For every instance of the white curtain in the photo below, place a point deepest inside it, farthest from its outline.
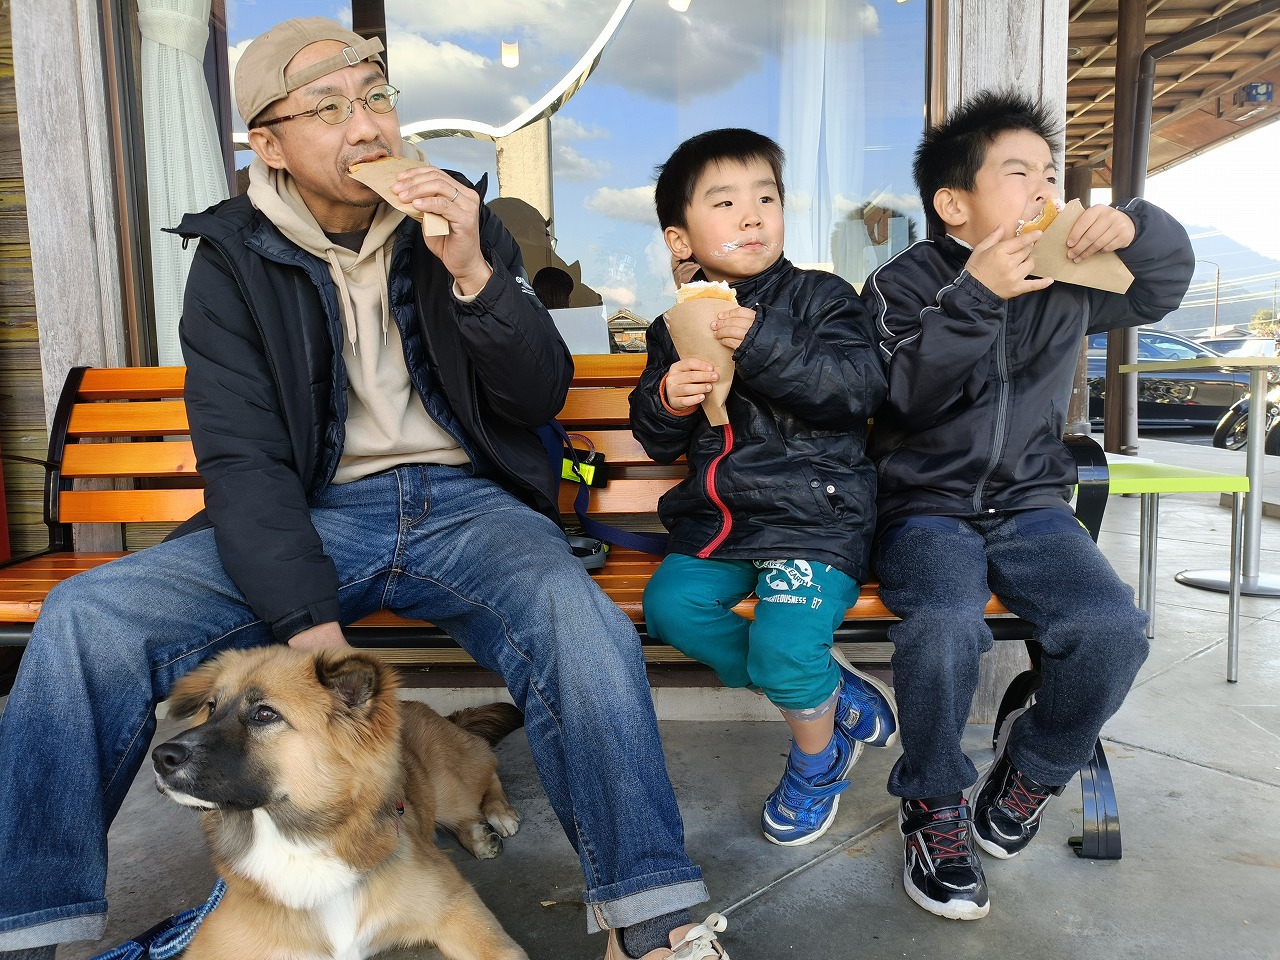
(821, 127)
(184, 158)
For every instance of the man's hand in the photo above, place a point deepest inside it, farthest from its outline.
(688, 383)
(1099, 229)
(731, 326)
(431, 190)
(1004, 266)
(321, 636)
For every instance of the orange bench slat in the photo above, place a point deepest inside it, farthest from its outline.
(147, 418)
(133, 383)
(129, 506)
(151, 458)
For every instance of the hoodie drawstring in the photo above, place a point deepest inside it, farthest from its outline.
(381, 260)
(348, 308)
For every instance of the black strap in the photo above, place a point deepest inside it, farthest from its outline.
(556, 440)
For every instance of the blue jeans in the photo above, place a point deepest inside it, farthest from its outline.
(429, 543)
(937, 574)
(785, 652)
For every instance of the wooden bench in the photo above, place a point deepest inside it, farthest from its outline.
(119, 453)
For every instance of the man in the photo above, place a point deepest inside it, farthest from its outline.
(363, 404)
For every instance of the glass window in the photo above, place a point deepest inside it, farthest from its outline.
(840, 84)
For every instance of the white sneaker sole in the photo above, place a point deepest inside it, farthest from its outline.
(807, 838)
(955, 910)
(883, 689)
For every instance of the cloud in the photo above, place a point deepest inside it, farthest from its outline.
(633, 204)
(674, 57)
(571, 165)
(620, 296)
(903, 202)
(566, 128)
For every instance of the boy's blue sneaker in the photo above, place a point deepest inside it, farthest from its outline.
(801, 808)
(866, 711)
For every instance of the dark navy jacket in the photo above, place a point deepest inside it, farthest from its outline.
(979, 386)
(266, 390)
(788, 476)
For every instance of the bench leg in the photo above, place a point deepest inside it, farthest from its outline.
(1100, 839)
(1020, 692)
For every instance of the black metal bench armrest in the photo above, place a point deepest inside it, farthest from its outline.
(1095, 481)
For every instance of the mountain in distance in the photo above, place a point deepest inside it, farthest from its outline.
(1249, 283)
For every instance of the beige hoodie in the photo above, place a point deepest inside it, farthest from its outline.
(386, 423)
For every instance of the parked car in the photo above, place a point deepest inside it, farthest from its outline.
(1184, 398)
(1240, 346)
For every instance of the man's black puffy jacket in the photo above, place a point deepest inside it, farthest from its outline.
(788, 476)
(266, 389)
(979, 386)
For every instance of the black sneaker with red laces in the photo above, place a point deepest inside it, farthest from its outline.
(1007, 805)
(941, 871)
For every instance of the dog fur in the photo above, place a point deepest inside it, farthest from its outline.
(301, 764)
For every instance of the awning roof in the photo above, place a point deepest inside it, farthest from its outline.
(1193, 106)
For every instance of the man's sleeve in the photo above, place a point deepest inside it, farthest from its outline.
(520, 360)
(254, 495)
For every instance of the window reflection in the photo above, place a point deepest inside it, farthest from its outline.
(840, 84)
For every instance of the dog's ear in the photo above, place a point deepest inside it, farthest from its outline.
(192, 692)
(354, 679)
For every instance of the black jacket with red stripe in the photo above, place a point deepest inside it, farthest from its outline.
(788, 477)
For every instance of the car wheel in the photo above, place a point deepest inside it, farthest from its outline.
(1233, 430)
(1272, 445)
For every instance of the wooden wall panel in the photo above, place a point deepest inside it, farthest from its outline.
(22, 415)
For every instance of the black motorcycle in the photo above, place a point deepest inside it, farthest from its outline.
(1233, 429)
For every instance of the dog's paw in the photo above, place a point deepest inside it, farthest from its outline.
(506, 822)
(481, 840)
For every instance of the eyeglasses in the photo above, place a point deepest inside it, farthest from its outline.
(338, 109)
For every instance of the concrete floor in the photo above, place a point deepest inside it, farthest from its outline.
(1196, 763)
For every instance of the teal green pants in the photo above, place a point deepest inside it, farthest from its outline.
(785, 652)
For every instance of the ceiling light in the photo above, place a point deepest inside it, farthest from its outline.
(679, 6)
(1249, 101)
(511, 53)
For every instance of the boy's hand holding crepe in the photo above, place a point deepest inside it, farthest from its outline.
(1077, 246)
(704, 340)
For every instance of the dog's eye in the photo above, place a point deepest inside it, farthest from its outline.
(264, 715)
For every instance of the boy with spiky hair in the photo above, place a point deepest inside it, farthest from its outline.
(974, 483)
(780, 501)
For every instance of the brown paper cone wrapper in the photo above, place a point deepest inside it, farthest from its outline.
(690, 326)
(379, 175)
(1102, 271)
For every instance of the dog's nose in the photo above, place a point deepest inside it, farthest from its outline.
(169, 756)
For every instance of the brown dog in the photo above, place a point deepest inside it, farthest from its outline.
(321, 793)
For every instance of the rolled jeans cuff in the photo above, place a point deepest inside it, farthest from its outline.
(645, 905)
(65, 930)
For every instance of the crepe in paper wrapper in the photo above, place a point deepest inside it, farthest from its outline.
(690, 326)
(379, 175)
(1102, 271)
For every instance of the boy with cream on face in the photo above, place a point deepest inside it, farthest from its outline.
(780, 500)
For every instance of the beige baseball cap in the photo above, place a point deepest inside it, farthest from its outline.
(260, 74)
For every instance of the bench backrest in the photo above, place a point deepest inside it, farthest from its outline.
(127, 429)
